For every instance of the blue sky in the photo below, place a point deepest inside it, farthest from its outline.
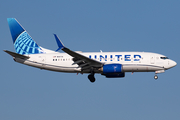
(28, 93)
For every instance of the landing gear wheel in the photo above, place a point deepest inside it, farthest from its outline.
(155, 77)
(91, 78)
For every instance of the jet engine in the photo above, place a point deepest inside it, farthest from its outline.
(112, 70)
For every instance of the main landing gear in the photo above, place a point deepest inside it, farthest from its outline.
(155, 77)
(91, 76)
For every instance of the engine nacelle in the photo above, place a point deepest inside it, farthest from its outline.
(112, 70)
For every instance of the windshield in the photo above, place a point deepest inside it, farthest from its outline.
(164, 58)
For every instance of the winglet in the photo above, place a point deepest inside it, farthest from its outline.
(59, 43)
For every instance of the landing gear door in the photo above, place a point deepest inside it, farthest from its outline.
(152, 59)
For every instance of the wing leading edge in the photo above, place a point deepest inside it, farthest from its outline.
(83, 61)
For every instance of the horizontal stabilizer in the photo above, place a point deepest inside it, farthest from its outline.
(16, 55)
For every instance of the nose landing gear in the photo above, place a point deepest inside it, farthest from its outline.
(155, 77)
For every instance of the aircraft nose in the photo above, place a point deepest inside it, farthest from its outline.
(173, 63)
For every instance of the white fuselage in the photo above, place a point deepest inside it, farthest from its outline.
(109, 64)
(131, 61)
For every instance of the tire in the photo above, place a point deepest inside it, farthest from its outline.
(91, 78)
(155, 77)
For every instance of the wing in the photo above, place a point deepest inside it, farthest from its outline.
(84, 62)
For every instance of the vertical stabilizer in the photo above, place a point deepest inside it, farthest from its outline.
(22, 41)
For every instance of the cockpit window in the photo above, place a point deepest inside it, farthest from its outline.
(164, 58)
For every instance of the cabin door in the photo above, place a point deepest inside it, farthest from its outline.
(152, 59)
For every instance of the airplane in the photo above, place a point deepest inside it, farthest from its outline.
(109, 64)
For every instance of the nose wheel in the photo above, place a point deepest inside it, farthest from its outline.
(155, 77)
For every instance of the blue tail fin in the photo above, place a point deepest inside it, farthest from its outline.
(22, 41)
